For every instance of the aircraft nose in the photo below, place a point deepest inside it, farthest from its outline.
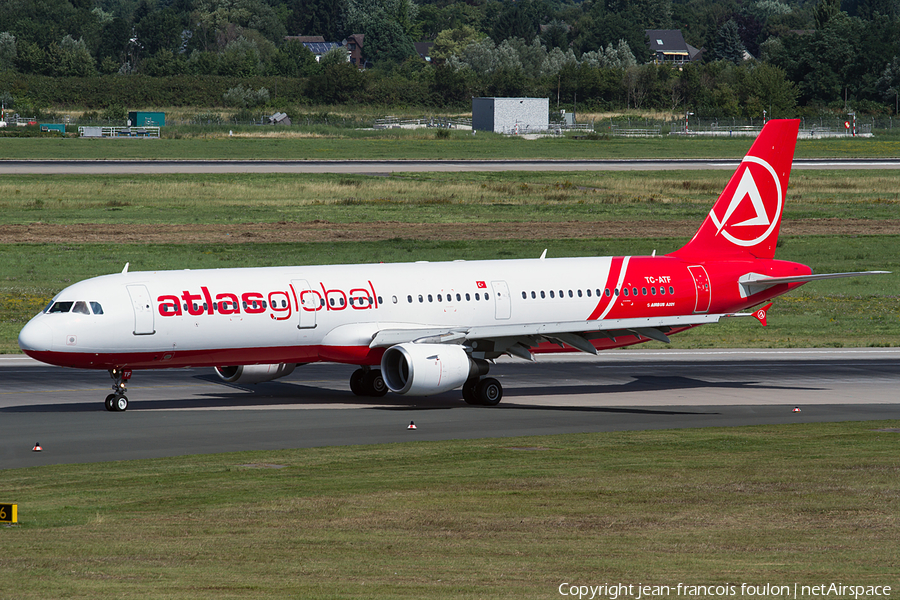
(36, 336)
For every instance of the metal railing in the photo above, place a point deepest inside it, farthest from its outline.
(118, 132)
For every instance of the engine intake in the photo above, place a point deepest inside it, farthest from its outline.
(427, 369)
(254, 373)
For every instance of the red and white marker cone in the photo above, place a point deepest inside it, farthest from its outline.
(37, 447)
(796, 409)
(412, 425)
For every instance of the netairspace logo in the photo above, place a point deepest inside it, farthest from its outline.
(615, 591)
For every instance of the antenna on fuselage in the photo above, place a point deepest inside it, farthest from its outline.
(543, 254)
(125, 270)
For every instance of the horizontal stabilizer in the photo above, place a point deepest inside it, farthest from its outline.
(804, 278)
(753, 283)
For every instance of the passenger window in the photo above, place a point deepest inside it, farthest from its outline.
(571, 295)
(477, 297)
(643, 291)
(439, 297)
(421, 299)
(634, 291)
(616, 291)
(458, 298)
(672, 290)
(662, 291)
(409, 299)
(468, 298)
(485, 296)
(95, 306)
(625, 291)
(606, 291)
(524, 296)
(61, 307)
(81, 308)
(579, 293)
(430, 298)
(589, 293)
(653, 290)
(551, 294)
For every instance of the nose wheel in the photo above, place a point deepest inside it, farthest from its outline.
(118, 401)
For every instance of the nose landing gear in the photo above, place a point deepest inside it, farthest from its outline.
(118, 401)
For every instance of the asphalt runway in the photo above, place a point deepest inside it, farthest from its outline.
(189, 411)
(128, 167)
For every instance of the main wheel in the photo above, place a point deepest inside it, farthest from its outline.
(356, 382)
(374, 384)
(489, 391)
(469, 392)
(110, 402)
(121, 404)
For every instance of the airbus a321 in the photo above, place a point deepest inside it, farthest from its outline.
(426, 328)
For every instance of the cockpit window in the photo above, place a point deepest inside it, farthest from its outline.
(61, 307)
(81, 308)
(95, 306)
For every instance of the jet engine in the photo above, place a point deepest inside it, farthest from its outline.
(427, 369)
(254, 373)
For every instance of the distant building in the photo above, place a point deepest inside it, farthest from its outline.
(511, 115)
(669, 48)
(319, 47)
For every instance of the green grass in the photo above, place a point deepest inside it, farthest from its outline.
(434, 197)
(841, 312)
(421, 144)
(810, 504)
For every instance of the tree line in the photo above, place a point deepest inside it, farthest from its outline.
(782, 57)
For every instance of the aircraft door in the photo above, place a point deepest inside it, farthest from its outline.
(309, 302)
(143, 309)
(701, 285)
(502, 304)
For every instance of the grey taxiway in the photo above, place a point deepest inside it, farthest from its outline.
(190, 411)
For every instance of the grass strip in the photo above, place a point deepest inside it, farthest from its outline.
(337, 144)
(423, 197)
(842, 312)
(498, 518)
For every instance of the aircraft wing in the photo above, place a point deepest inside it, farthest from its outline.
(519, 339)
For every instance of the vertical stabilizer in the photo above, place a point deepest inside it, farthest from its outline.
(745, 220)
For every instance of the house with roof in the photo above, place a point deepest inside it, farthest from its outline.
(319, 47)
(669, 48)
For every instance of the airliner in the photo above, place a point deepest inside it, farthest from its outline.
(426, 328)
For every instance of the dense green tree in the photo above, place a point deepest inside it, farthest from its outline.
(7, 51)
(316, 17)
(293, 59)
(729, 45)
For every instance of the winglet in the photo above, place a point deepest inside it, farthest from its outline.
(760, 314)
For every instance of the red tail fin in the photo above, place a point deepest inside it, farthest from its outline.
(744, 221)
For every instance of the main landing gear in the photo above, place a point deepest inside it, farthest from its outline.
(368, 382)
(482, 392)
(118, 401)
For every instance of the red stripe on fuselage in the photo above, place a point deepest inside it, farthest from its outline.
(615, 268)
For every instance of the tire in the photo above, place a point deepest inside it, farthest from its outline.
(110, 403)
(357, 385)
(374, 384)
(121, 404)
(489, 391)
(469, 392)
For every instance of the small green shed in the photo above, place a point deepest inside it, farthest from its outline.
(147, 119)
